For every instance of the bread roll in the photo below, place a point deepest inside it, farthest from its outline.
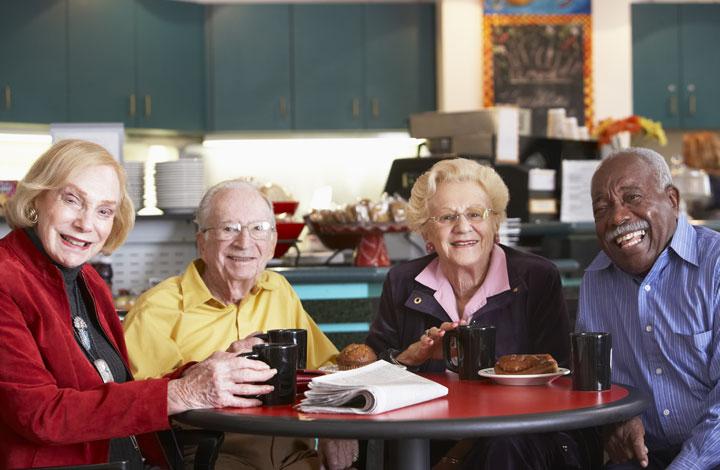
(526, 364)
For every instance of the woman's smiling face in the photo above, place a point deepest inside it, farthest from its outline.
(460, 243)
(75, 220)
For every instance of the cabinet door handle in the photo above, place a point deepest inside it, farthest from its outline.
(283, 107)
(692, 100)
(7, 96)
(375, 105)
(148, 106)
(133, 105)
(672, 89)
(355, 108)
(692, 105)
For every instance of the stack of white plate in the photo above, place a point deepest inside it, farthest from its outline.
(135, 172)
(179, 185)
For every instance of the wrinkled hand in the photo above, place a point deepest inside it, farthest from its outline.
(219, 381)
(626, 441)
(337, 454)
(429, 346)
(244, 345)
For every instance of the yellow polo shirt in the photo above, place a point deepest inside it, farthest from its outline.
(179, 321)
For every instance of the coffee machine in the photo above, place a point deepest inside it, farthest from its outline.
(473, 135)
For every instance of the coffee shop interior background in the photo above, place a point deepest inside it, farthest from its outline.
(356, 164)
(317, 166)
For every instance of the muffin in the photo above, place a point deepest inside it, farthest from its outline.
(354, 356)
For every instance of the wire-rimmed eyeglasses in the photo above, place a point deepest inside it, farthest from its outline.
(258, 230)
(473, 215)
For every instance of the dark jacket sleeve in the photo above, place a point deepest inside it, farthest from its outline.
(549, 326)
(384, 331)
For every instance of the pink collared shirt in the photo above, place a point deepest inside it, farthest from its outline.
(496, 281)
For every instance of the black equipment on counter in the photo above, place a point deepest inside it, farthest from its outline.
(534, 152)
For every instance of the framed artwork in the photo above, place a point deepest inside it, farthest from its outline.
(539, 62)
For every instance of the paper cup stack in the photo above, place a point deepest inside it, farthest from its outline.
(179, 185)
(135, 172)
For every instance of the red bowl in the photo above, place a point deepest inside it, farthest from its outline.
(285, 207)
(287, 233)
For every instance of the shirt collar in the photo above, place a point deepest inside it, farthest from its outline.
(683, 243)
(195, 291)
(496, 281)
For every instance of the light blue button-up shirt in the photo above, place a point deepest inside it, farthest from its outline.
(665, 330)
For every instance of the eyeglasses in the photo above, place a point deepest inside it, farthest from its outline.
(473, 215)
(259, 230)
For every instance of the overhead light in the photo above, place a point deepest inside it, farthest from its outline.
(25, 138)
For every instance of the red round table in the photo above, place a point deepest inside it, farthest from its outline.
(471, 409)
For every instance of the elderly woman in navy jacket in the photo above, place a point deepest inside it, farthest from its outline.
(468, 277)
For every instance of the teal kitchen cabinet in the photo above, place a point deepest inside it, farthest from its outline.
(136, 61)
(170, 65)
(320, 66)
(101, 61)
(249, 62)
(362, 66)
(400, 70)
(675, 67)
(700, 65)
(329, 68)
(33, 69)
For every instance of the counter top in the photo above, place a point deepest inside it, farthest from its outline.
(331, 274)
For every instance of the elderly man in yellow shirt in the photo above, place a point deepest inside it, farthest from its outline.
(219, 302)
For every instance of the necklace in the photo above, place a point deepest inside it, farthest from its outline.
(84, 337)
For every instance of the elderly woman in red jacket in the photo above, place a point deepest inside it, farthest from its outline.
(66, 392)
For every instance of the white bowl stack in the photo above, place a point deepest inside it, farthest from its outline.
(135, 172)
(179, 185)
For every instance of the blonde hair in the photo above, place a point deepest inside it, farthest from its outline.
(52, 170)
(453, 171)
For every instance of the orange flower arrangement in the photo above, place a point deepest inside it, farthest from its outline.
(609, 128)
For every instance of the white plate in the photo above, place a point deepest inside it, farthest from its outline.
(522, 379)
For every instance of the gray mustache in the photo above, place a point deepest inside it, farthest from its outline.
(625, 229)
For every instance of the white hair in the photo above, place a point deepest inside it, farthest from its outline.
(656, 162)
(203, 210)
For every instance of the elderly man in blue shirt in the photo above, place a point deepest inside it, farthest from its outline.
(656, 288)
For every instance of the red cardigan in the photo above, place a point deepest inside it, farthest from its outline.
(54, 408)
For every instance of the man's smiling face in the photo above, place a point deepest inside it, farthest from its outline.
(635, 217)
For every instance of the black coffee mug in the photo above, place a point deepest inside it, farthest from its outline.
(475, 345)
(591, 360)
(291, 335)
(282, 357)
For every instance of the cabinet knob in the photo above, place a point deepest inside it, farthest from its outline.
(355, 108)
(132, 108)
(148, 106)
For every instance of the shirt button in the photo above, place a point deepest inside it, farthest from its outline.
(666, 412)
(647, 288)
(648, 328)
(658, 371)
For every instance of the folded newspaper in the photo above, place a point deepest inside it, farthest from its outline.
(372, 389)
